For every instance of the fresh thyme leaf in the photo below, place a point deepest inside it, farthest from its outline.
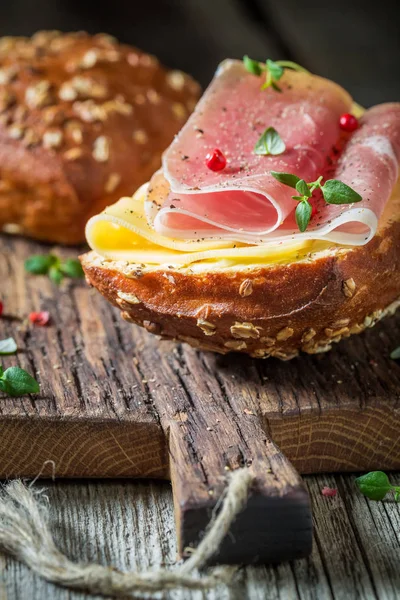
(286, 178)
(289, 64)
(17, 382)
(375, 485)
(303, 188)
(275, 69)
(72, 268)
(55, 275)
(303, 214)
(252, 66)
(333, 191)
(8, 346)
(39, 264)
(395, 355)
(337, 192)
(270, 143)
(276, 87)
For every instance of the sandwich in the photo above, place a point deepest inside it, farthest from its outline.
(83, 121)
(273, 225)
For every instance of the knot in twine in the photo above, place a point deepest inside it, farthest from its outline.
(25, 534)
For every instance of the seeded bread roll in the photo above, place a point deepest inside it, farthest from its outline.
(266, 310)
(83, 121)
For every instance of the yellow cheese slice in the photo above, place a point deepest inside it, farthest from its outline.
(121, 232)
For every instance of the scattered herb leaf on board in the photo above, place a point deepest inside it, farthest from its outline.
(376, 485)
(395, 354)
(8, 346)
(14, 381)
(54, 267)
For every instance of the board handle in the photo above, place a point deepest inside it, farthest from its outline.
(276, 523)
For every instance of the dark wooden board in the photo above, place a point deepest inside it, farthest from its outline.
(117, 402)
(105, 385)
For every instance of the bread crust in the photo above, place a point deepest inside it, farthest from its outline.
(275, 310)
(83, 121)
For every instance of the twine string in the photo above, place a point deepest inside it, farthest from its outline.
(25, 534)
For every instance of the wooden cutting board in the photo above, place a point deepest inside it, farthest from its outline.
(117, 402)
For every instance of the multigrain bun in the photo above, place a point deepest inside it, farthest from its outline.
(83, 121)
(270, 310)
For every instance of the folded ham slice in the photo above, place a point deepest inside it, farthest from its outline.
(244, 202)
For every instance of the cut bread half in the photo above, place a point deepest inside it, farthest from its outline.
(299, 304)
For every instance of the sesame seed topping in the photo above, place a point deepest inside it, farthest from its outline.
(176, 80)
(39, 94)
(16, 132)
(140, 136)
(89, 59)
(101, 149)
(7, 74)
(112, 183)
(179, 110)
(89, 111)
(67, 92)
(73, 153)
(153, 96)
(52, 139)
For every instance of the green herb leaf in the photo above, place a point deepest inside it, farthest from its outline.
(276, 87)
(40, 264)
(275, 70)
(17, 382)
(286, 178)
(374, 485)
(289, 64)
(252, 66)
(8, 346)
(72, 268)
(303, 188)
(270, 143)
(303, 215)
(337, 192)
(56, 275)
(395, 355)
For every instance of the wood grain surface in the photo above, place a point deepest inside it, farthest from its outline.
(110, 391)
(131, 525)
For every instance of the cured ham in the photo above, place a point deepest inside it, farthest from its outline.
(244, 203)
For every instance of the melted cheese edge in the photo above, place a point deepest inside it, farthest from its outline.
(121, 233)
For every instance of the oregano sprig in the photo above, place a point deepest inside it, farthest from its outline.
(376, 486)
(273, 70)
(333, 192)
(54, 267)
(14, 381)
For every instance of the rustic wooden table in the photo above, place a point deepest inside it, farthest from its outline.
(130, 525)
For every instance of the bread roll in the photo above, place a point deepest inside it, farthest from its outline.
(276, 310)
(83, 120)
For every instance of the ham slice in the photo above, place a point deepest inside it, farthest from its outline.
(244, 203)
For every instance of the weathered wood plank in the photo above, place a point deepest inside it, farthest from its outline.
(106, 387)
(131, 525)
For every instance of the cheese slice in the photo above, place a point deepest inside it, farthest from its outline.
(121, 232)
